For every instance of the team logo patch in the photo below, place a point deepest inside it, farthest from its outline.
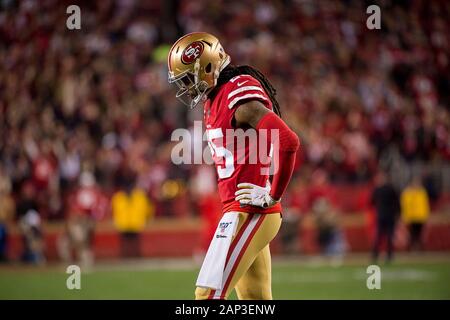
(192, 52)
(223, 226)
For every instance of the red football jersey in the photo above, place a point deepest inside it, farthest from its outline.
(238, 154)
(88, 201)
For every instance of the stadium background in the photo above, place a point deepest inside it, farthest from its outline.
(94, 104)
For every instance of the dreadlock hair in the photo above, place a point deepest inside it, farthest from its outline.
(232, 71)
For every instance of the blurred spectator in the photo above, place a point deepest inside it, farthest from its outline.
(87, 204)
(296, 205)
(29, 221)
(320, 188)
(329, 236)
(387, 207)
(7, 210)
(131, 209)
(415, 211)
(290, 231)
(31, 227)
(27, 200)
(3, 241)
(431, 183)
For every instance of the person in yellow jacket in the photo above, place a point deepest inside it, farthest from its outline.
(415, 211)
(131, 209)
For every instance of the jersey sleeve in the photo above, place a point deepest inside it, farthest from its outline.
(244, 88)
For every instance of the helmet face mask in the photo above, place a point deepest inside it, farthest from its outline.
(190, 92)
(195, 62)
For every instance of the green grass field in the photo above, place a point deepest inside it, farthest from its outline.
(292, 279)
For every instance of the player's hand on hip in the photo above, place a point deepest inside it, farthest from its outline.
(251, 194)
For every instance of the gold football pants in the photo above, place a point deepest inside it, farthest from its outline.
(248, 264)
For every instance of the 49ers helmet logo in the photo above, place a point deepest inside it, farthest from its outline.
(192, 52)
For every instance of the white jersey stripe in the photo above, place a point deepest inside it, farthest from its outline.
(246, 88)
(237, 249)
(251, 95)
(235, 78)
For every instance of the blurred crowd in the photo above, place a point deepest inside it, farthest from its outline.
(95, 102)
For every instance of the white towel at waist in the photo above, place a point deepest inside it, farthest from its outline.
(213, 266)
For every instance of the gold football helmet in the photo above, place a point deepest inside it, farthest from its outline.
(195, 62)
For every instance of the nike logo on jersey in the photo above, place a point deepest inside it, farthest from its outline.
(241, 83)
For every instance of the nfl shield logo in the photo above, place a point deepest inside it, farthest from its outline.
(223, 226)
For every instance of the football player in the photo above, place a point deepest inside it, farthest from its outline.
(237, 97)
